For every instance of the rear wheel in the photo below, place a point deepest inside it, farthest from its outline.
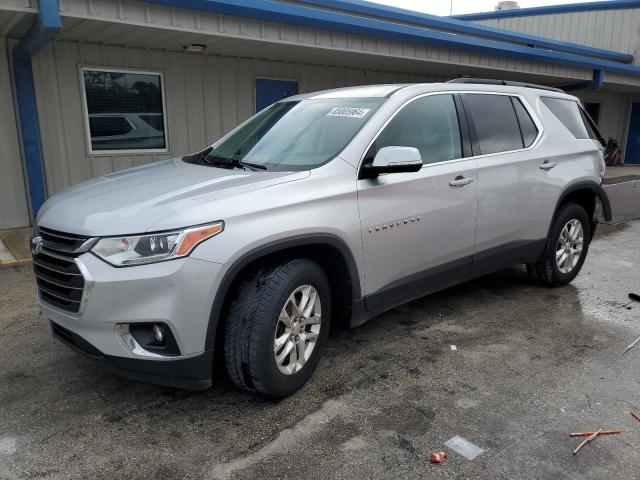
(566, 248)
(276, 327)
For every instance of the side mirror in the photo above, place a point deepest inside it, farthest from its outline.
(394, 160)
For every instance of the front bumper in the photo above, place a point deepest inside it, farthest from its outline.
(192, 373)
(178, 293)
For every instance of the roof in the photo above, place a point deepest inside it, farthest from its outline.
(565, 8)
(463, 85)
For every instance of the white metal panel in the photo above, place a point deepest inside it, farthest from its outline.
(14, 210)
(617, 30)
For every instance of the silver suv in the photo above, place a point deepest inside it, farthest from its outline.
(323, 208)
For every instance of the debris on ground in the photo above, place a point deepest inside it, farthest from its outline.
(464, 447)
(588, 434)
(454, 348)
(635, 415)
(587, 440)
(633, 344)
(634, 296)
(438, 457)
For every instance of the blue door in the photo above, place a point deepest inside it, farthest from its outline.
(632, 154)
(269, 91)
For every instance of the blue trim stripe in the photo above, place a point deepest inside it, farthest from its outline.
(322, 19)
(43, 29)
(567, 8)
(384, 12)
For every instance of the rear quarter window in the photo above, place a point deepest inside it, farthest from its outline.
(568, 112)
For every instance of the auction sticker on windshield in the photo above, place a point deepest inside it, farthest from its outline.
(351, 112)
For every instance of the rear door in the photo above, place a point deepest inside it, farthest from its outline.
(418, 228)
(504, 134)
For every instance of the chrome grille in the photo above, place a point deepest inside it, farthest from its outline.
(60, 281)
(65, 243)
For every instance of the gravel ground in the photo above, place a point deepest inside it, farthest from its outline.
(531, 365)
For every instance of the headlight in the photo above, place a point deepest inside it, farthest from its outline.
(154, 247)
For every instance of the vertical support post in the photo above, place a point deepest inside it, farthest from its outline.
(598, 79)
(43, 30)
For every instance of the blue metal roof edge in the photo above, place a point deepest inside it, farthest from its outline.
(42, 30)
(385, 12)
(316, 18)
(565, 8)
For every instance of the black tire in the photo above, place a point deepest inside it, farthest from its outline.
(251, 322)
(547, 271)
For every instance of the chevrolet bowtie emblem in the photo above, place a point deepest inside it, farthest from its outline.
(36, 246)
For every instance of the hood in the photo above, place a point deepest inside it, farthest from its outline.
(131, 201)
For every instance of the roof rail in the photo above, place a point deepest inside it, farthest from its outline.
(491, 81)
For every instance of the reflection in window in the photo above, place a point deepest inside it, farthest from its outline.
(429, 124)
(495, 122)
(125, 110)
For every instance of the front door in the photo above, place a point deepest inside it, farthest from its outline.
(418, 228)
(632, 154)
(269, 91)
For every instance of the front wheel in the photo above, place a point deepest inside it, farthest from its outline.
(566, 248)
(276, 327)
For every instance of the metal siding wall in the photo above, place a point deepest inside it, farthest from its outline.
(206, 96)
(14, 208)
(617, 30)
(169, 20)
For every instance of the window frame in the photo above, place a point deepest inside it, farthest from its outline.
(466, 126)
(462, 128)
(85, 112)
(474, 136)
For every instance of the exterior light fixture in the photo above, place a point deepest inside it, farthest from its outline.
(194, 48)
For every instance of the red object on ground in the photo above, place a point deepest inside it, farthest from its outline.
(438, 457)
(587, 440)
(635, 415)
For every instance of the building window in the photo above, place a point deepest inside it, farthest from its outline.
(124, 111)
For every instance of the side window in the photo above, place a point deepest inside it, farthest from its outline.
(495, 121)
(568, 112)
(527, 127)
(429, 124)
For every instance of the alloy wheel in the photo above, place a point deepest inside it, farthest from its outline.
(297, 329)
(569, 246)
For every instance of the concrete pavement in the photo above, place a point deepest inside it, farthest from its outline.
(532, 364)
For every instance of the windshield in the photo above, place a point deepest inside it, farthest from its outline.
(295, 135)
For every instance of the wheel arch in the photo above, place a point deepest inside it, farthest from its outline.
(583, 193)
(329, 251)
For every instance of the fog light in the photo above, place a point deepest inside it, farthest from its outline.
(158, 334)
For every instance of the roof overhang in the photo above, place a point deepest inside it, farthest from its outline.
(307, 16)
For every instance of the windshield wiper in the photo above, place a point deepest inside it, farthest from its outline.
(232, 162)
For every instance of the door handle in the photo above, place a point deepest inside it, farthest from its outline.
(547, 165)
(460, 181)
